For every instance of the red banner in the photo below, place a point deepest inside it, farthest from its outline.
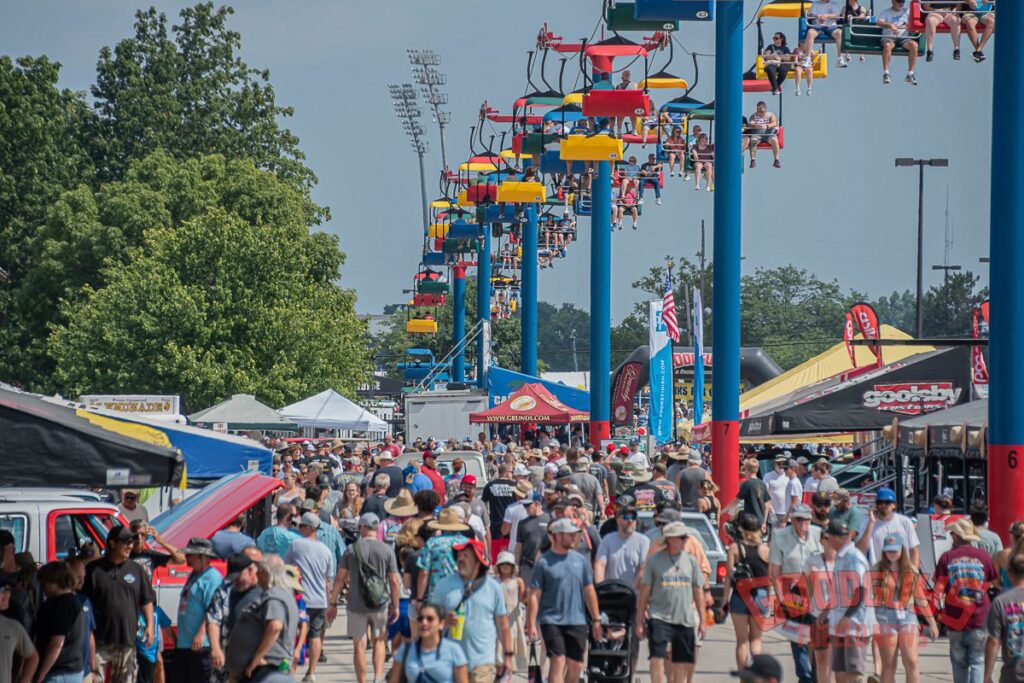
(686, 359)
(848, 339)
(627, 381)
(984, 311)
(867, 322)
(978, 368)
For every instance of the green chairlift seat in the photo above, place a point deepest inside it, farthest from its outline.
(866, 39)
(621, 18)
(432, 287)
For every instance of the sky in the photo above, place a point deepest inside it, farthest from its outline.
(838, 207)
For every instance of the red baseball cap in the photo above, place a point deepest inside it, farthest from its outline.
(610, 448)
(469, 479)
(478, 549)
(624, 450)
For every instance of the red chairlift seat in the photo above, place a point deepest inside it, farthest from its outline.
(484, 192)
(616, 103)
(428, 300)
(780, 134)
(916, 23)
(636, 139)
(756, 86)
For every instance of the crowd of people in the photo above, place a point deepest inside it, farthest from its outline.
(443, 577)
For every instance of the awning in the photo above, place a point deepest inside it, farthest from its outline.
(243, 412)
(502, 384)
(960, 431)
(49, 443)
(331, 410)
(532, 403)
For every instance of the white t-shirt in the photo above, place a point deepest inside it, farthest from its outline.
(793, 488)
(898, 17)
(819, 8)
(777, 483)
(514, 513)
(899, 525)
(639, 458)
(811, 484)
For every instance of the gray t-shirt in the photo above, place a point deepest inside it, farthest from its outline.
(590, 487)
(561, 580)
(1004, 624)
(672, 580)
(689, 486)
(315, 562)
(16, 641)
(989, 541)
(623, 555)
(378, 555)
(276, 604)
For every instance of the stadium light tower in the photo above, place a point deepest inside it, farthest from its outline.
(407, 109)
(424, 70)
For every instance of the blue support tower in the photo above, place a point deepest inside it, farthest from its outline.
(459, 322)
(601, 304)
(725, 442)
(1006, 403)
(528, 310)
(483, 301)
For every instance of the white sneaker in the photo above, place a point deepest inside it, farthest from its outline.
(808, 92)
(658, 201)
(309, 678)
(687, 176)
(796, 93)
(842, 63)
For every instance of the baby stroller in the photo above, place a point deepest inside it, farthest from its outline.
(609, 660)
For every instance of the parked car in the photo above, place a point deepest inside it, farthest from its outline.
(709, 538)
(473, 463)
(50, 522)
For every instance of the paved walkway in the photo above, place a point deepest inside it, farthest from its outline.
(713, 665)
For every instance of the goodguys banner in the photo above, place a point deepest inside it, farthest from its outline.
(862, 402)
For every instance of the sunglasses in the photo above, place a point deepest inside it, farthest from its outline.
(629, 517)
(425, 620)
(130, 496)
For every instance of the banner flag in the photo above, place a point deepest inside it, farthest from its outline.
(698, 357)
(660, 414)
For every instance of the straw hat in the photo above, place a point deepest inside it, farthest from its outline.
(448, 520)
(401, 505)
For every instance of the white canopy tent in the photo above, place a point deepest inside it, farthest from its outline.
(331, 410)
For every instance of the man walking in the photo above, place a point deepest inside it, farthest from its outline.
(476, 613)
(690, 479)
(436, 560)
(192, 647)
(498, 496)
(671, 606)
(277, 538)
(788, 553)
(561, 595)
(1003, 627)
(239, 589)
(370, 571)
(621, 555)
(848, 620)
(119, 590)
(883, 520)
(263, 636)
(316, 564)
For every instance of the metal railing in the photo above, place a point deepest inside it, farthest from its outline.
(444, 364)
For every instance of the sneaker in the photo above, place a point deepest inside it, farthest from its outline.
(777, 164)
(956, 54)
(808, 92)
(687, 176)
(696, 187)
(636, 225)
(841, 62)
(753, 163)
(911, 78)
(979, 56)
(796, 93)
(709, 188)
(886, 78)
(658, 201)
(929, 56)
(671, 175)
(309, 678)
(863, 58)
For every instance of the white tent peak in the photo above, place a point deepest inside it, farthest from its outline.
(331, 410)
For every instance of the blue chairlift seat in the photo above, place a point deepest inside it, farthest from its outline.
(501, 213)
(462, 230)
(673, 10)
(434, 259)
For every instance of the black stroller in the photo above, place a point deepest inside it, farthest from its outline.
(609, 660)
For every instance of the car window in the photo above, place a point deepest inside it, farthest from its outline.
(72, 530)
(17, 524)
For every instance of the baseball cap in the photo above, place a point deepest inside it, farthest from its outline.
(505, 557)
(675, 530)
(469, 479)
(892, 542)
(120, 534)
(369, 520)
(802, 460)
(694, 456)
(610, 448)
(624, 450)
(564, 526)
(837, 527)
(820, 498)
(311, 520)
(668, 516)
(761, 666)
(800, 511)
(885, 495)
(521, 470)
(238, 563)
(551, 467)
(563, 473)
(791, 464)
(841, 494)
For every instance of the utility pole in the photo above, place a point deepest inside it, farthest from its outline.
(572, 343)
(920, 163)
(407, 109)
(947, 256)
(424, 63)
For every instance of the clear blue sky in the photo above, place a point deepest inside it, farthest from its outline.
(837, 207)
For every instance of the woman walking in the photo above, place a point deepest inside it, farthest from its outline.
(747, 573)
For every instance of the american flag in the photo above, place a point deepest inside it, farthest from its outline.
(668, 311)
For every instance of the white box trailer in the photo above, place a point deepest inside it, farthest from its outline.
(443, 414)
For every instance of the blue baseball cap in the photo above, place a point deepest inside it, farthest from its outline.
(892, 542)
(885, 495)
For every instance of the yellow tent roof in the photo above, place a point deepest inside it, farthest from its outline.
(825, 365)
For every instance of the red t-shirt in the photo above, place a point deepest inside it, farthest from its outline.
(436, 480)
(962, 576)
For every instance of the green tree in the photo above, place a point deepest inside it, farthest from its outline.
(948, 307)
(186, 91)
(212, 307)
(556, 326)
(899, 309)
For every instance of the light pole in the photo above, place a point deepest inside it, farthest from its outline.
(424, 63)
(408, 111)
(904, 162)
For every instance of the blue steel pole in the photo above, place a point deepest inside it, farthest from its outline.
(528, 308)
(725, 320)
(1006, 244)
(483, 301)
(601, 304)
(459, 323)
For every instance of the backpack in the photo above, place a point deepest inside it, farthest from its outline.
(376, 592)
(741, 570)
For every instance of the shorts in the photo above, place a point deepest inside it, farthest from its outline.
(121, 659)
(849, 654)
(823, 29)
(564, 641)
(485, 673)
(402, 625)
(683, 639)
(758, 138)
(893, 622)
(360, 623)
(897, 41)
(317, 621)
(739, 606)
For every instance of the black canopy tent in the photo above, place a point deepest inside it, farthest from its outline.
(49, 443)
(866, 400)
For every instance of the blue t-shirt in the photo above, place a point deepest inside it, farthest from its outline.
(275, 540)
(480, 633)
(438, 664)
(196, 595)
(227, 543)
(561, 580)
(90, 626)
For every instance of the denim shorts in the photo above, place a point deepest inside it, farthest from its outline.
(737, 605)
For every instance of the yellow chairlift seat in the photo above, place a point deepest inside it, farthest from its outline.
(593, 148)
(819, 61)
(784, 10)
(522, 192)
(440, 204)
(438, 230)
(509, 154)
(421, 326)
(478, 166)
(464, 199)
(573, 98)
(664, 83)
